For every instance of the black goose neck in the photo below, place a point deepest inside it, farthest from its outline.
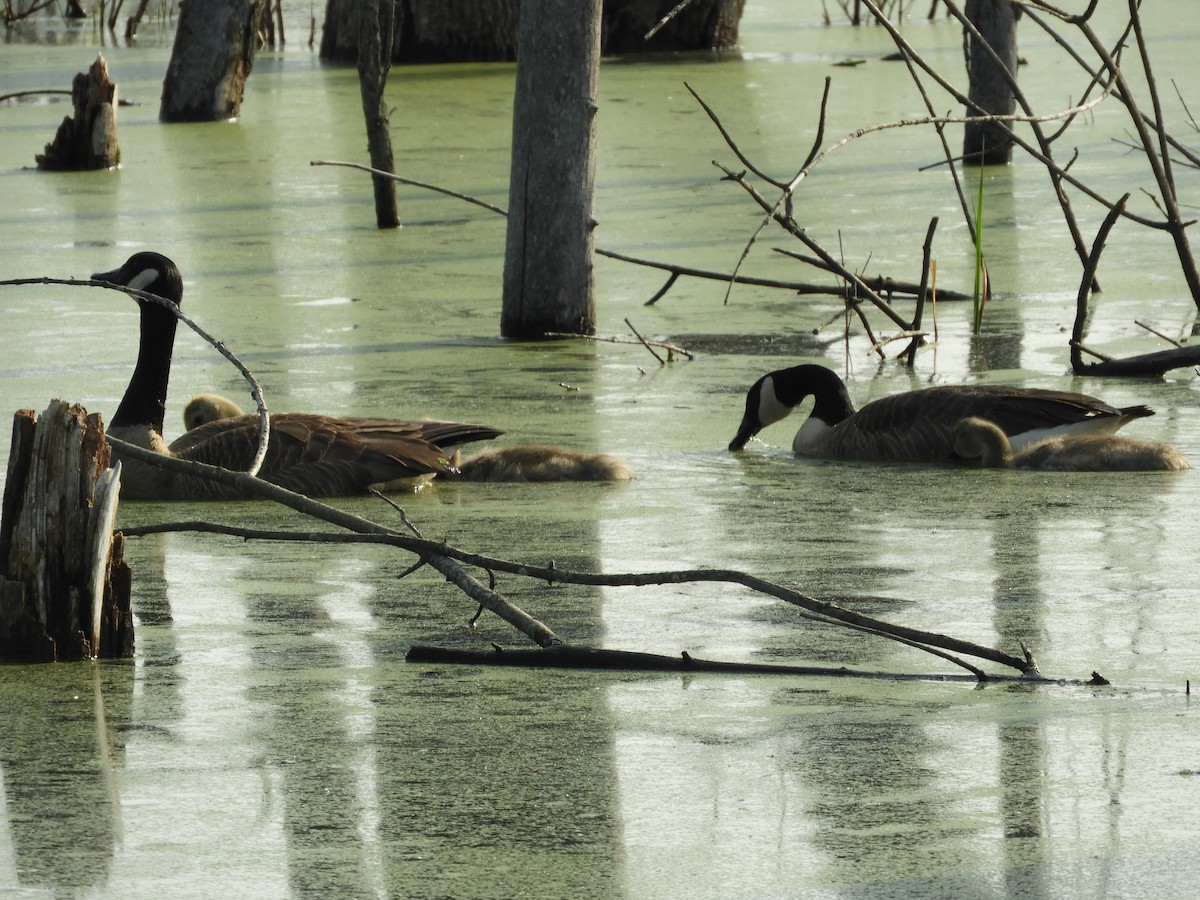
(831, 400)
(145, 400)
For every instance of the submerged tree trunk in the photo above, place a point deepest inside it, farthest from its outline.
(88, 139)
(374, 60)
(132, 23)
(486, 30)
(548, 281)
(986, 143)
(211, 60)
(701, 25)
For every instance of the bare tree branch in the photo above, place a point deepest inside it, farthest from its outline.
(264, 424)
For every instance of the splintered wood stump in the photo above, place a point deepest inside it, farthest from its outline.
(64, 587)
(88, 139)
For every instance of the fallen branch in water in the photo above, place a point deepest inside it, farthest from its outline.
(1151, 364)
(567, 656)
(430, 553)
(450, 561)
(881, 284)
(1144, 364)
(676, 271)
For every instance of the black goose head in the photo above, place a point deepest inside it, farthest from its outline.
(776, 394)
(145, 399)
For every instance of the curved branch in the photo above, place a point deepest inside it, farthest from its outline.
(264, 418)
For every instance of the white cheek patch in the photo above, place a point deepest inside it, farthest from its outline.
(143, 279)
(769, 408)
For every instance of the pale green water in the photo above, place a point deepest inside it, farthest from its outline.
(269, 739)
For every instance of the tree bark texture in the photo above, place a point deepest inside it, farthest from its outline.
(548, 277)
(64, 588)
(88, 139)
(213, 53)
(374, 60)
(430, 31)
(986, 143)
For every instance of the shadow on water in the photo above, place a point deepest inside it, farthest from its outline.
(62, 755)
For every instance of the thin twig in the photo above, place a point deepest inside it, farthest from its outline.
(884, 285)
(926, 261)
(645, 343)
(412, 181)
(619, 339)
(666, 19)
(730, 142)
(404, 520)
(1089, 273)
(1075, 345)
(860, 286)
(1156, 333)
(18, 94)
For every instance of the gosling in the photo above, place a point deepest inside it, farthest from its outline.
(980, 440)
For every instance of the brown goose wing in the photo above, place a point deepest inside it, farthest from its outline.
(919, 425)
(443, 434)
(323, 456)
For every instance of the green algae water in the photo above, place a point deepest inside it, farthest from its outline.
(269, 740)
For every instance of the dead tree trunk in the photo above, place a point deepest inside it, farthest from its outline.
(64, 588)
(132, 23)
(548, 278)
(88, 139)
(438, 31)
(214, 49)
(374, 59)
(989, 71)
(701, 25)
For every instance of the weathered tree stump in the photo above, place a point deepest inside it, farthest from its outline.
(88, 139)
(64, 587)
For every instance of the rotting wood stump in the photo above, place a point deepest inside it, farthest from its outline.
(64, 587)
(88, 139)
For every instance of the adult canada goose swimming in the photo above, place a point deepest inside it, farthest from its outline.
(317, 455)
(917, 426)
(979, 439)
(520, 463)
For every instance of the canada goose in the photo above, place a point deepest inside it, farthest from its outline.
(205, 408)
(979, 439)
(538, 462)
(524, 462)
(916, 426)
(313, 454)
